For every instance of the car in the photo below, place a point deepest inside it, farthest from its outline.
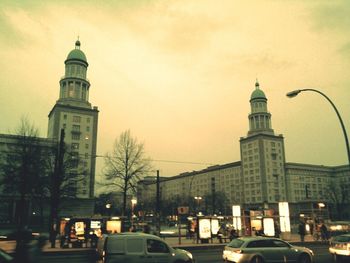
(339, 247)
(5, 257)
(139, 247)
(265, 250)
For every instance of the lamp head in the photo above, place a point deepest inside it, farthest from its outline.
(293, 93)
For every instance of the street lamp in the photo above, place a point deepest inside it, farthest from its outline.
(320, 206)
(198, 199)
(133, 203)
(294, 93)
(108, 207)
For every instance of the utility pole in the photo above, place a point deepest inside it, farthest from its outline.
(158, 203)
(55, 190)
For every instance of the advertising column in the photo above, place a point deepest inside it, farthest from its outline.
(283, 208)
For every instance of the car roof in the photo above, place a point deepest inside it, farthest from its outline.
(133, 234)
(249, 238)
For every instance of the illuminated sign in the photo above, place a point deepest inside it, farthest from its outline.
(95, 224)
(283, 208)
(114, 226)
(269, 228)
(236, 213)
(204, 228)
(214, 226)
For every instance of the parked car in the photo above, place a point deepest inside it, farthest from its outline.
(139, 247)
(340, 247)
(265, 249)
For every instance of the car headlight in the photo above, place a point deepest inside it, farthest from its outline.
(189, 254)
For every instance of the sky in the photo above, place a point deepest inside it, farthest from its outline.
(179, 73)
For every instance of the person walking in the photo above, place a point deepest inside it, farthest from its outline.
(324, 232)
(301, 231)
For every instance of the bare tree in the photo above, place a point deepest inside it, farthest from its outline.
(22, 168)
(338, 194)
(125, 166)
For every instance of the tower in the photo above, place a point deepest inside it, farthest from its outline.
(262, 156)
(73, 113)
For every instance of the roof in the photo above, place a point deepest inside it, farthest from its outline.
(257, 93)
(77, 54)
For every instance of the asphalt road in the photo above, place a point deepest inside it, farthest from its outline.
(215, 256)
(208, 255)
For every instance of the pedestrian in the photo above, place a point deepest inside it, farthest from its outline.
(277, 230)
(301, 231)
(220, 234)
(233, 234)
(324, 232)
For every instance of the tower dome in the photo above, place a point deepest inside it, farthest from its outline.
(76, 54)
(257, 93)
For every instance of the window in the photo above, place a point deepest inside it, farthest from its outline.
(88, 120)
(278, 243)
(76, 119)
(156, 246)
(76, 128)
(86, 146)
(70, 89)
(64, 125)
(75, 136)
(65, 116)
(87, 128)
(75, 146)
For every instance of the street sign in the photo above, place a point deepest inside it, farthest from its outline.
(183, 210)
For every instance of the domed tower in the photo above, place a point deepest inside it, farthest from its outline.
(74, 86)
(259, 118)
(262, 157)
(73, 113)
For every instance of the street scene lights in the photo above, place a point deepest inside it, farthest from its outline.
(294, 93)
(320, 206)
(198, 199)
(133, 203)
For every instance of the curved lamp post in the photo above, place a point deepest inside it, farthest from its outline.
(296, 92)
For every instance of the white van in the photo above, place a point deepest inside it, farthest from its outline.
(139, 248)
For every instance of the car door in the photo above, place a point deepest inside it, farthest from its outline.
(286, 252)
(265, 248)
(136, 252)
(158, 250)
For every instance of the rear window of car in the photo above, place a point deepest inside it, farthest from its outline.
(236, 243)
(342, 239)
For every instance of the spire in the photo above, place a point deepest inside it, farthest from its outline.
(257, 86)
(77, 44)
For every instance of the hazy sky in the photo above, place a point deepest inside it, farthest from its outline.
(179, 73)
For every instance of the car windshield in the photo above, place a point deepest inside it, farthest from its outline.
(236, 243)
(342, 239)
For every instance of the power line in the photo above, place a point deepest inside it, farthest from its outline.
(168, 161)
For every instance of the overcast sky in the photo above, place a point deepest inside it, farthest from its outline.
(179, 73)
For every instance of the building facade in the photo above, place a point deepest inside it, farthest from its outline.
(262, 178)
(73, 113)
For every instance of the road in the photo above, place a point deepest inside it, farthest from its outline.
(214, 256)
(208, 255)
